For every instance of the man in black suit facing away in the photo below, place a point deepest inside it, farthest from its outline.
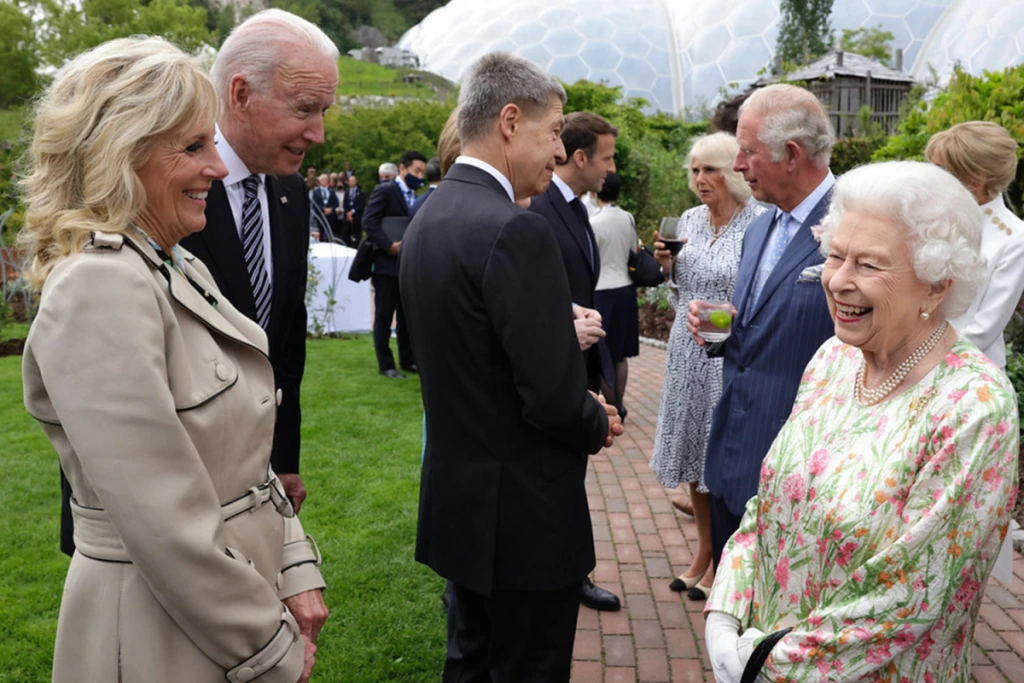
(503, 507)
(353, 205)
(589, 156)
(433, 177)
(393, 198)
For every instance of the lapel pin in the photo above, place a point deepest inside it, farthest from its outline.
(284, 200)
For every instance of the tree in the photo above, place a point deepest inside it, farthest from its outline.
(804, 30)
(19, 55)
(67, 28)
(873, 43)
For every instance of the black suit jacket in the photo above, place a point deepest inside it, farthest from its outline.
(354, 205)
(419, 201)
(220, 248)
(572, 236)
(509, 420)
(332, 202)
(385, 201)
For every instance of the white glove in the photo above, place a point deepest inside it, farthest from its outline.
(745, 645)
(722, 635)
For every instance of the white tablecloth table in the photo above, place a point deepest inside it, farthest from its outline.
(352, 299)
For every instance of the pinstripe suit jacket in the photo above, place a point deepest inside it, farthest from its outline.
(765, 357)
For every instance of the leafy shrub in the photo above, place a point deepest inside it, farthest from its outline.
(849, 153)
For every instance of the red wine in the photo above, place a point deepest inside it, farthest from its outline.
(673, 245)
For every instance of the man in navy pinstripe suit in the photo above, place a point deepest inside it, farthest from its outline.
(781, 316)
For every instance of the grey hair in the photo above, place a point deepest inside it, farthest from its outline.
(791, 113)
(719, 151)
(387, 167)
(943, 221)
(496, 80)
(259, 45)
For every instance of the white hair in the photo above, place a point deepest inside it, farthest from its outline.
(259, 45)
(496, 80)
(387, 167)
(789, 113)
(943, 221)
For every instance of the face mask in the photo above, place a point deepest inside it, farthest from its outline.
(412, 182)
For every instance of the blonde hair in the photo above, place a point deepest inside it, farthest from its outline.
(719, 151)
(94, 126)
(449, 145)
(977, 152)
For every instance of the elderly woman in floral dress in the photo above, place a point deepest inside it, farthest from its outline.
(884, 500)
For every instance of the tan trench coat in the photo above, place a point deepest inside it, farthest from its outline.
(161, 408)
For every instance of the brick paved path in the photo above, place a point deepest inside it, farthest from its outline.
(642, 543)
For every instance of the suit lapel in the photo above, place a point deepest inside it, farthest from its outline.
(572, 223)
(757, 237)
(800, 247)
(279, 225)
(191, 300)
(225, 248)
(401, 198)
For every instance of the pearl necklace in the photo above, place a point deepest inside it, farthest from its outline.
(716, 231)
(869, 397)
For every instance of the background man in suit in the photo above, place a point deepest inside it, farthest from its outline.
(432, 175)
(393, 198)
(353, 205)
(387, 172)
(324, 198)
(503, 508)
(782, 318)
(589, 142)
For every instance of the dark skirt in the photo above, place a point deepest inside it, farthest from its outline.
(620, 318)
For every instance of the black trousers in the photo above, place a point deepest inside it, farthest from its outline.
(388, 302)
(512, 636)
(723, 525)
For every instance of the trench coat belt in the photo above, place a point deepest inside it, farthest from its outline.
(97, 538)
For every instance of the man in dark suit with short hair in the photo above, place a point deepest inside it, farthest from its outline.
(503, 506)
(589, 156)
(353, 205)
(326, 201)
(391, 199)
(433, 177)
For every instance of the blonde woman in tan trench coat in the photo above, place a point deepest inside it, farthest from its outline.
(156, 393)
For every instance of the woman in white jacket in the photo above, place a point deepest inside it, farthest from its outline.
(983, 157)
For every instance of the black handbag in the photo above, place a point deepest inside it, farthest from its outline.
(362, 264)
(644, 269)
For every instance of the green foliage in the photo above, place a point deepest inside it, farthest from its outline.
(1015, 371)
(849, 153)
(874, 43)
(368, 136)
(70, 27)
(804, 29)
(18, 54)
(869, 128)
(993, 96)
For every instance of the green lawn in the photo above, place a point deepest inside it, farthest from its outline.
(366, 78)
(360, 462)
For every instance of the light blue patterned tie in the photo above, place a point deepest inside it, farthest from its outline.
(780, 240)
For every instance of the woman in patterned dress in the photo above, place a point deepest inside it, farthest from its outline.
(704, 269)
(885, 498)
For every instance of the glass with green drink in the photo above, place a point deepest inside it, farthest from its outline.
(715, 320)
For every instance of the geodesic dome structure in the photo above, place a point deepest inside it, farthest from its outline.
(679, 54)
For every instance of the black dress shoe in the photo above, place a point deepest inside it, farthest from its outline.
(598, 598)
(393, 374)
(411, 368)
(622, 414)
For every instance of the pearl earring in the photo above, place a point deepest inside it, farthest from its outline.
(925, 315)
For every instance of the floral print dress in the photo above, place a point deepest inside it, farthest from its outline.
(875, 528)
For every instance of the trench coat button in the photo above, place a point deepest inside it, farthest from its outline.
(245, 674)
(279, 395)
(222, 372)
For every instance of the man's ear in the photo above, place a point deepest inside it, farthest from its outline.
(579, 157)
(509, 120)
(794, 153)
(239, 96)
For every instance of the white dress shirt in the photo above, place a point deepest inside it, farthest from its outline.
(237, 172)
(490, 170)
(1002, 245)
(799, 214)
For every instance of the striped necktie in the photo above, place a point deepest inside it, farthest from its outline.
(252, 247)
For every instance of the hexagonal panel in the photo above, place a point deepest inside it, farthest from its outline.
(595, 28)
(637, 73)
(601, 55)
(564, 41)
(569, 69)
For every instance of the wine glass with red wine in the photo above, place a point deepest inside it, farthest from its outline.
(669, 234)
